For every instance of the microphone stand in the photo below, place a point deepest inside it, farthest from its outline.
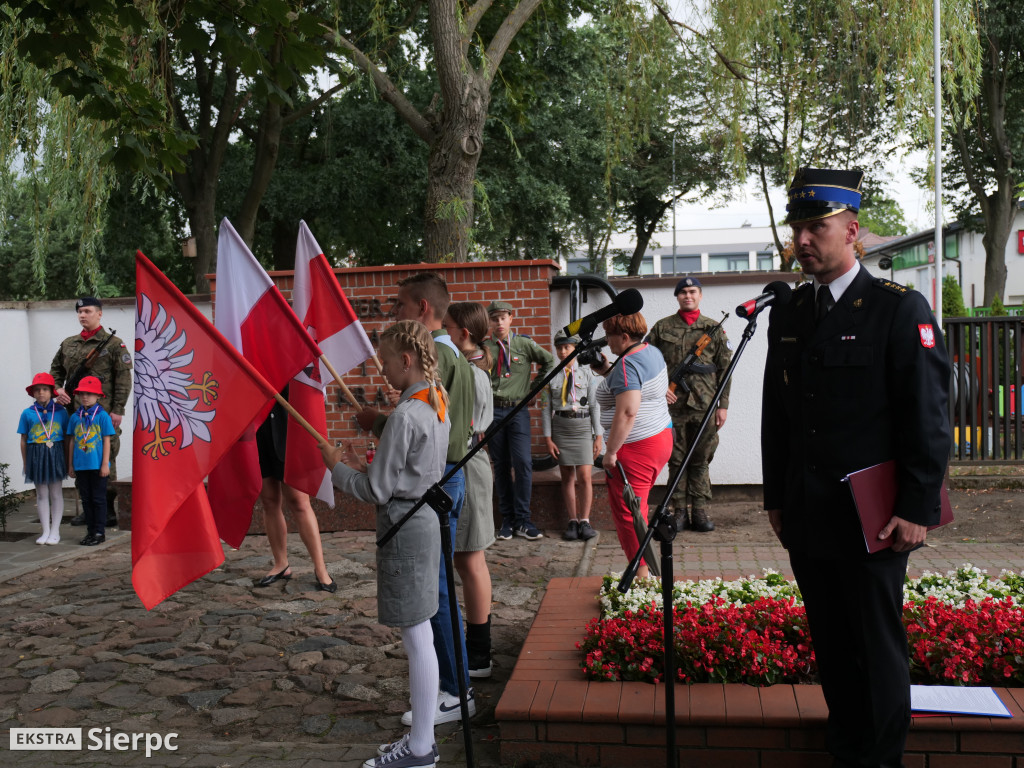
(441, 503)
(663, 529)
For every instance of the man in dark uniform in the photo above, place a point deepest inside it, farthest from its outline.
(857, 375)
(112, 366)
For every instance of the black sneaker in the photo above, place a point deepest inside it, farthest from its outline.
(586, 532)
(505, 533)
(529, 532)
(572, 532)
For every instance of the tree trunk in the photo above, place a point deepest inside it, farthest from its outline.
(268, 144)
(454, 156)
(999, 210)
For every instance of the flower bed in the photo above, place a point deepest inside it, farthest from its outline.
(964, 628)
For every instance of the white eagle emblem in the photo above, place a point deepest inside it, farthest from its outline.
(927, 336)
(163, 393)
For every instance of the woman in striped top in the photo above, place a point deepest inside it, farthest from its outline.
(635, 417)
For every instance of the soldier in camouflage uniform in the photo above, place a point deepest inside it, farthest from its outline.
(113, 367)
(674, 336)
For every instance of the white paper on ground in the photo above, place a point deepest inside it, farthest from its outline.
(958, 700)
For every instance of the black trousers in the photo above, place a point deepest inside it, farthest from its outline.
(855, 613)
(92, 490)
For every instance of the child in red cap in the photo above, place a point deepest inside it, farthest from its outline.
(42, 427)
(89, 457)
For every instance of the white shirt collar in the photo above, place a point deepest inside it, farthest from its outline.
(840, 284)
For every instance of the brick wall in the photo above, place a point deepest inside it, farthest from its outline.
(372, 292)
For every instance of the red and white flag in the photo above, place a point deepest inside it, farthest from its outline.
(253, 315)
(329, 318)
(194, 395)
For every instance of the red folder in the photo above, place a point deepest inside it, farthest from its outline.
(874, 495)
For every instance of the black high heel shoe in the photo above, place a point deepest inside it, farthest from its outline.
(266, 581)
(332, 587)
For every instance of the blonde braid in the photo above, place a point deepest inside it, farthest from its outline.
(413, 337)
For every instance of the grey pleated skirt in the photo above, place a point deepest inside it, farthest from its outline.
(574, 439)
(408, 566)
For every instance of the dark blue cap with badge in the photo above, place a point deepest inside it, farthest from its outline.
(687, 282)
(820, 192)
(88, 301)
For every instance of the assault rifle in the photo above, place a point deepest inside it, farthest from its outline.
(83, 368)
(691, 364)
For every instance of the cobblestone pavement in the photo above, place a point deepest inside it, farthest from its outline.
(285, 676)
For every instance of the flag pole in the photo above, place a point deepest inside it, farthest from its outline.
(376, 361)
(337, 380)
(320, 439)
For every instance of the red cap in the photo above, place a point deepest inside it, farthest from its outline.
(41, 379)
(91, 385)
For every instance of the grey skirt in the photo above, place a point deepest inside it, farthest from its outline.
(574, 439)
(407, 566)
(475, 530)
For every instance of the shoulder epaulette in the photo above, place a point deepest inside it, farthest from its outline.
(889, 285)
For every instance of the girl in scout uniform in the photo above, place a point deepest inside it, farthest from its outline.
(467, 324)
(42, 427)
(410, 459)
(572, 430)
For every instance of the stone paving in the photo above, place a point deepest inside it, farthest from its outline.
(284, 676)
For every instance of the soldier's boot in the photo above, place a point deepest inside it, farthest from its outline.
(699, 521)
(681, 520)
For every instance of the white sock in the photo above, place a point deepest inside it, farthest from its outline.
(56, 509)
(423, 685)
(43, 507)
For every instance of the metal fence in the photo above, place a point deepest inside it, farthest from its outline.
(985, 398)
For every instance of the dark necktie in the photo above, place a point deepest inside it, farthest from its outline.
(823, 302)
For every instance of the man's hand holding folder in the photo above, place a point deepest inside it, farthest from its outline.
(874, 494)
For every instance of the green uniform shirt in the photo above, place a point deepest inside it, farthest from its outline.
(510, 379)
(674, 339)
(113, 367)
(457, 380)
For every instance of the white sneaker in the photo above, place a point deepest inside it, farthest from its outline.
(383, 749)
(448, 709)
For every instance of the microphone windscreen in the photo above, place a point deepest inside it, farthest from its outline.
(629, 302)
(783, 292)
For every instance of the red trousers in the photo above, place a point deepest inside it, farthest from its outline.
(643, 462)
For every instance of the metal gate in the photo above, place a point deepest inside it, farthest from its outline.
(985, 394)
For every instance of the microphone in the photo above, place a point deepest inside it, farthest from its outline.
(626, 303)
(774, 293)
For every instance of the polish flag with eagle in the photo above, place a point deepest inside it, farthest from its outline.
(194, 395)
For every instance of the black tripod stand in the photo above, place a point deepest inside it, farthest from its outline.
(441, 503)
(663, 529)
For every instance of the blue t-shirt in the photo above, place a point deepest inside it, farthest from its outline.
(36, 422)
(87, 428)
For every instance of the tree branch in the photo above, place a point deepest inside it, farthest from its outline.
(387, 89)
(506, 34)
(672, 23)
(472, 18)
(305, 109)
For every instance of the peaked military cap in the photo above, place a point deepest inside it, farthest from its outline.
(88, 301)
(820, 192)
(499, 306)
(687, 282)
(561, 338)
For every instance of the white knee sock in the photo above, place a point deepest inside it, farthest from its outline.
(43, 507)
(423, 685)
(56, 509)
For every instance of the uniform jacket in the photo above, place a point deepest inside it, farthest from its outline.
(524, 352)
(113, 367)
(870, 384)
(674, 339)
